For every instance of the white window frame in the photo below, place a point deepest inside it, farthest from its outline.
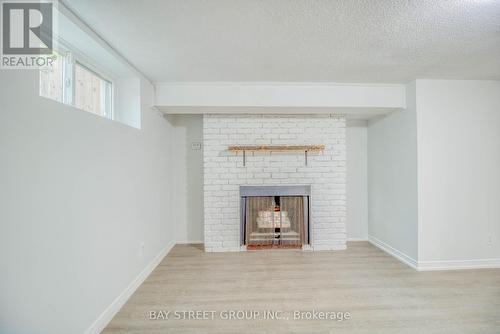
(68, 76)
(70, 58)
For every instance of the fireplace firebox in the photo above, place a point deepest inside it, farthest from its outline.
(275, 216)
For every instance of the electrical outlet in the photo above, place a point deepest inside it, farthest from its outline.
(490, 240)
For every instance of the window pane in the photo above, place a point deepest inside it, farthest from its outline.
(51, 81)
(90, 91)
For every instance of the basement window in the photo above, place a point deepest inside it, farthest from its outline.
(71, 82)
(92, 92)
(88, 75)
(51, 81)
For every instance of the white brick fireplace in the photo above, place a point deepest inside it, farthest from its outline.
(224, 172)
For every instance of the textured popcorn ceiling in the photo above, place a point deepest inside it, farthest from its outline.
(302, 40)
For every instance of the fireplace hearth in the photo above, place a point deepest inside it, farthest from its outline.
(275, 216)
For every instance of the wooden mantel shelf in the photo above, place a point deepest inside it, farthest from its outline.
(276, 148)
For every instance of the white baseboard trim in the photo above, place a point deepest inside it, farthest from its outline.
(108, 314)
(457, 265)
(357, 239)
(434, 265)
(188, 242)
(393, 252)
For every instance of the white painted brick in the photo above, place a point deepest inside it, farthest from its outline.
(224, 172)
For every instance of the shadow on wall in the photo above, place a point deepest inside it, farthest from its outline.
(188, 176)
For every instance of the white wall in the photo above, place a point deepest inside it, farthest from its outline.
(188, 183)
(127, 101)
(357, 183)
(392, 180)
(79, 195)
(458, 170)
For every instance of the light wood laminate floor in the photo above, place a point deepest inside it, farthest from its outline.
(381, 294)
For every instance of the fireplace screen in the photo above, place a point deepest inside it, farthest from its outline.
(275, 221)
